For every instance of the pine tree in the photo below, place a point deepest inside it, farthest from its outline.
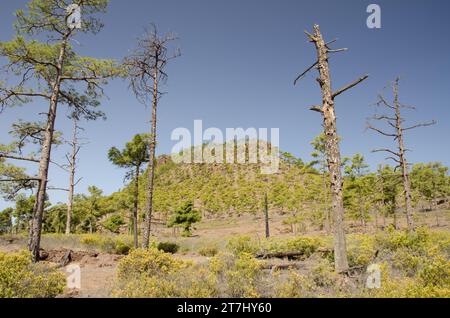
(184, 217)
(57, 73)
(146, 69)
(133, 157)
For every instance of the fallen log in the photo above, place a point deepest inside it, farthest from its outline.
(284, 266)
(280, 255)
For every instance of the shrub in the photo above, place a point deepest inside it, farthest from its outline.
(239, 276)
(398, 287)
(303, 245)
(242, 244)
(361, 249)
(108, 244)
(149, 262)
(393, 240)
(293, 286)
(168, 247)
(19, 278)
(113, 223)
(155, 274)
(91, 240)
(323, 274)
(415, 253)
(435, 271)
(209, 251)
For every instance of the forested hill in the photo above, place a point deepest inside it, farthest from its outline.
(298, 190)
(235, 188)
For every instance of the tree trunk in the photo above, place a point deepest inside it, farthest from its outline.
(333, 154)
(135, 208)
(325, 204)
(72, 178)
(403, 162)
(361, 212)
(36, 224)
(152, 163)
(266, 215)
(395, 219)
(376, 218)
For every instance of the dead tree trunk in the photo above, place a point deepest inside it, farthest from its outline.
(325, 204)
(395, 120)
(72, 170)
(136, 207)
(403, 162)
(36, 223)
(151, 163)
(146, 71)
(266, 215)
(332, 142)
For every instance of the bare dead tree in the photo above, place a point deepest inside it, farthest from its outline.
(72, 163)
(332, 140)
(395, 121)
(266, 215)
(146, 71)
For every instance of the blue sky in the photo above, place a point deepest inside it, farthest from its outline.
(239, 59)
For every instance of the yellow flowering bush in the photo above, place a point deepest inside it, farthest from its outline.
(238, 276)
(19, 278)
(155, 274)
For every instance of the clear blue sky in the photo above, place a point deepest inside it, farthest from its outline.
(237, 68)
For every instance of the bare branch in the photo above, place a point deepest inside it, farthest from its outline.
(386, 150)
(330, 42)
(380, 131)
(394, 159)
(305, 72)
(57, 189)
(351, 85)
(7, 156)
(407, 106)
(62, 167)
(311, 37)
(78, 181)
(317, 108)
(431, 123)
(10, 94)
(337, 50)
(383, 117)
(384, 101)
(20, 180)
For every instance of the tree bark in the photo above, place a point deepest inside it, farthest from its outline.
(325, 204)
(152, 161)
(135, 208)
(333, 153)
(403, 162)
(361, 211)
(395, 219)
(266, 215)
(72, 168)
(36, 224)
